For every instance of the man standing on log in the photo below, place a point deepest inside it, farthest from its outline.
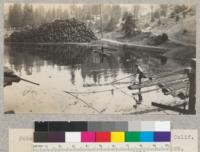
(139, 73)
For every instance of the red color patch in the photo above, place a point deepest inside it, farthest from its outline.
(103, 137)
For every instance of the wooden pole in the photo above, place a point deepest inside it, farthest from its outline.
(29, 81)
(83, 101)
(192, 90)
(101, 20)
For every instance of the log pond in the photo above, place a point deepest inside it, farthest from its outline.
(64, 72)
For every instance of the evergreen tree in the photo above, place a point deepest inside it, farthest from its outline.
(113, 20)
(116, 12)
(39, 16)
(15, 16)
(73, 11)
(136, 10)
(157, 14)
(28, 15)
(65, 14)
(163, 9)
(111, 25)
(129, 26)
(59, 12)
(10, 16)
(152, 14)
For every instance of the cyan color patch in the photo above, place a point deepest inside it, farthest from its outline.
(146, 136)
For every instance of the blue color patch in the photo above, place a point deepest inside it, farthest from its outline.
(147, 136)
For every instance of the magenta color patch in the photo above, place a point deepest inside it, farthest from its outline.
(87, 136)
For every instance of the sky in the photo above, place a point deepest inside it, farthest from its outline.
(145, 7)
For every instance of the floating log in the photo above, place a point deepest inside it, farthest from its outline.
(146, 91)
(105, 53)
(157, 109)
(116, 82)
(169, 107)
(105, 84)
(173, 91)
(9, 112)
(154, 83)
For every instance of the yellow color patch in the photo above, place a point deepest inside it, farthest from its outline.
(117, 137)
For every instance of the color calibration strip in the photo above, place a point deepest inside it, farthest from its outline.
(149, 131)
(21, 140)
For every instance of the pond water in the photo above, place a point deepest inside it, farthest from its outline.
(70, 68)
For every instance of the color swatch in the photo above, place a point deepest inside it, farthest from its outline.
(117, 136)
(49, 136)
(103, 137)
(147, 136)
(72, 136)
(162, 136)
(88, 137)
(82, 131)
(132, 136)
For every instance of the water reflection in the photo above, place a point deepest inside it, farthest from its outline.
(92, 64)
(59, 68)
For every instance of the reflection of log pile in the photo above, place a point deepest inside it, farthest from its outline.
(70, 30)
(54, 54)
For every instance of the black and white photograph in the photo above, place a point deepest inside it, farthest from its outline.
(100, 58)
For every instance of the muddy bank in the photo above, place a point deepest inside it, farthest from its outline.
(128, 45)
(180, 51)
(149, 42)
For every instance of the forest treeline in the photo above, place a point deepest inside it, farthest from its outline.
(20, 15)
(129, 17)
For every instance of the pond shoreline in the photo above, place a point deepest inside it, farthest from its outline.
(105, 43)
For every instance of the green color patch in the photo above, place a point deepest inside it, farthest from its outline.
(132, 136)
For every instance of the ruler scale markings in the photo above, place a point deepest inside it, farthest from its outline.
(97, 147)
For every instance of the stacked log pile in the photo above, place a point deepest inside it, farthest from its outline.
(70, 30)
